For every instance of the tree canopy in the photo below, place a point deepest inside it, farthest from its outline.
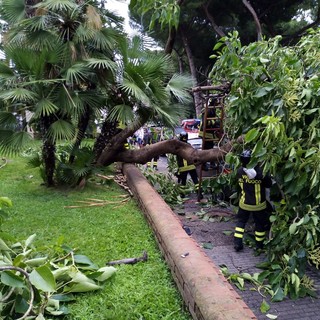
(274, 102)
(190, 29)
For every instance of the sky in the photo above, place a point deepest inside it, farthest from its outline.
(120, 8)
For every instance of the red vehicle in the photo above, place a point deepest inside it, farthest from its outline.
(191, 125)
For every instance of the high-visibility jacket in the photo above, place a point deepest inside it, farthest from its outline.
(184, 165)
(253, 191)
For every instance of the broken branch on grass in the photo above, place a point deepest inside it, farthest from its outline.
(99, 202)
(129, 260)
(119, 179)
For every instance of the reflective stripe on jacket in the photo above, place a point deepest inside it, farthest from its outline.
(253, 191)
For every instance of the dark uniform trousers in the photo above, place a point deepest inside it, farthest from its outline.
(261, 221)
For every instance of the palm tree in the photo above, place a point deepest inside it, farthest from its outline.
(57, 53)
(148, 90)
(67, 63)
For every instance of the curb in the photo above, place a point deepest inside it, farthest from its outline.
(204, 289)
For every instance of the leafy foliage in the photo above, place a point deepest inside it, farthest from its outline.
(274, 102)
(37, 284)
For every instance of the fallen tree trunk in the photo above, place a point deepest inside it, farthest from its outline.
(176, 147)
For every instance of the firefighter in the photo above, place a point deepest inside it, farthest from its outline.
(253, 185)
(212, 127)
(152, 136)
(186, 168)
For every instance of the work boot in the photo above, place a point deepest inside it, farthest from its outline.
(259, 245)
(238, 245)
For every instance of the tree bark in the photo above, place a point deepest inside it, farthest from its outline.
(216, 28)
(170, 41)
(48, 151)
(255, 17)
(176, 147)
(114, 143)
(197, 95)
(82, 127)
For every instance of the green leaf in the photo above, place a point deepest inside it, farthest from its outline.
(81, 259)
(261, 92)
(63, 297)
(293, 228)
(82, 287)
(251, 135)
(30, 240)
(246, 276)
(207, 245)
(3, 246)
(264, 60)
(259, 150)
(227, 232)
(264, 307)
(278, 296)
(107, 273)
(5, 201)
(36, 262)
(12, 280)
(43, 279)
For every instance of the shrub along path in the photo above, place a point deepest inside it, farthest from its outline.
(215, 238)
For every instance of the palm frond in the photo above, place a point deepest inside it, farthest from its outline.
(121, 112)
(7, 76)
(5, 71)
(34, 161)
(36, 23)
(106, 63)
(57, 5)
(13, 11)
(7, 120)
(42, 40)
(18, 94)
(132, 89)
(77, 73)
(84, 34)
(14, 142)
(104, 40)
(61, 130)
(94, 99)
(158, 66)
(45, 107)
(166, 115)
(180, 85)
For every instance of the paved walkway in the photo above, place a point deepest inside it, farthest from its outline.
(220, 251)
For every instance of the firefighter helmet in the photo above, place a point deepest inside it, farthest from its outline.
(183, 136)
(245, 157)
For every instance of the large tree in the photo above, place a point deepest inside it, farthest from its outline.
(190, 29)
(274, 102)
(68, 63)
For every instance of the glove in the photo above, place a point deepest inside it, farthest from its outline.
(251, 173)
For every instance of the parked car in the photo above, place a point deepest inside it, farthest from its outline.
(190, 125)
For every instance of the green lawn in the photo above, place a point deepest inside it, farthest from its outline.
(141, 291)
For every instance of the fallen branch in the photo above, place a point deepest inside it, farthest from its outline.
(98, 202)
(119, 179)
(129, 260)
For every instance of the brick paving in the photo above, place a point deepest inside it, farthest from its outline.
(223, 254)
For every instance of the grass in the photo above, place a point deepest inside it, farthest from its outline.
(144, 291)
